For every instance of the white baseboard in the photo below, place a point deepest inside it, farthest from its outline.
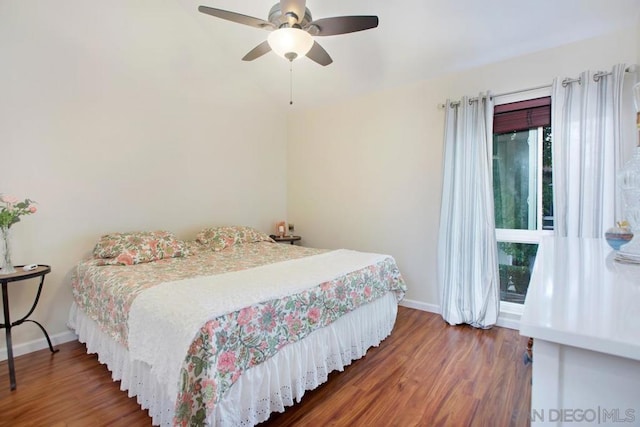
(431, 308)
(39, 344)
(506, 319)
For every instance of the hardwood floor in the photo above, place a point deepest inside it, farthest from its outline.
(425, 374)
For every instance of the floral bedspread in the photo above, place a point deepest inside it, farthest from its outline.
(234, 342)
(105, 293)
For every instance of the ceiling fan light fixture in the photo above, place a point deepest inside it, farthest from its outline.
(290, 43)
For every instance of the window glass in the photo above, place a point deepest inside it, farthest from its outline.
(515, 179)
(523, 179)
(515, 265)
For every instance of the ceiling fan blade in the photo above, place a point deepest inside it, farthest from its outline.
(237, 17)
(319, 55)
(257, 51)
(342, 25)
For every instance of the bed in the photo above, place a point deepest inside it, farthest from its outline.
(230, 327)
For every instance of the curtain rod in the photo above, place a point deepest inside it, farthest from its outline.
(630, 69)
(596, 77)
(456, 103)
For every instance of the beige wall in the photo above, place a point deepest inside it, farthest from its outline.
(366, 174)
(115, 123)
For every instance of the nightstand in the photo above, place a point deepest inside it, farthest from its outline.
(290, 239)
(40, 271)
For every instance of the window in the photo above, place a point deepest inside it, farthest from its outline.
(522, 188)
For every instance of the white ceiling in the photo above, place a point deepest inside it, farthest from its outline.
(416, 40)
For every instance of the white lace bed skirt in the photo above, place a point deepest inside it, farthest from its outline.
(263, 389)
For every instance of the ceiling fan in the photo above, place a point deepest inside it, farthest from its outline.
(292, 30)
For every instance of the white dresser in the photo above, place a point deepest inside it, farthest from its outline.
(583, 311)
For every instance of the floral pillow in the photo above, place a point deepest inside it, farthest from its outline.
(218, 238)
(138, 247)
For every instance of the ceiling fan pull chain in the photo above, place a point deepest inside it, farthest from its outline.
(290, 82)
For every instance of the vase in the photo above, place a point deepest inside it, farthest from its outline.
(618, 236)
(6, 266)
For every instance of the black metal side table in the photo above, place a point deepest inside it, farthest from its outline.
(40, 271)
(289, 239)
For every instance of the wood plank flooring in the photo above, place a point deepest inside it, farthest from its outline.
(425, 374)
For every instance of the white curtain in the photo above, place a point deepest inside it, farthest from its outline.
(586, 147)
(467, 249)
